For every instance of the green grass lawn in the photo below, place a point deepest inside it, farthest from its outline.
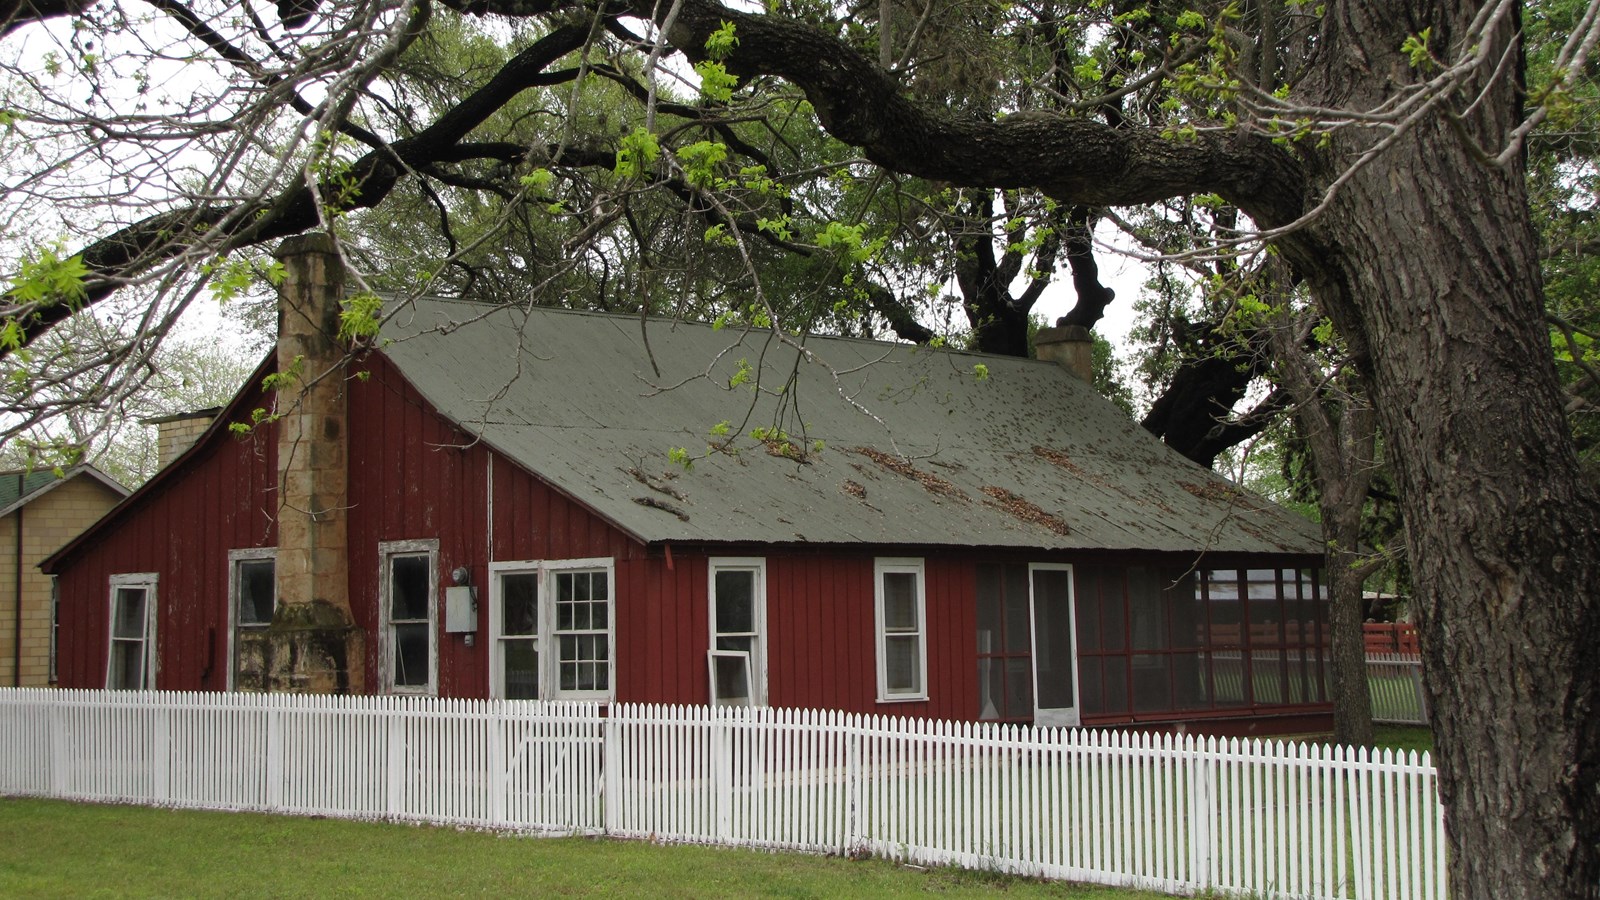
(1403, 737)
(58, 849)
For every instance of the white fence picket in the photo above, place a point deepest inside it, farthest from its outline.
(1168, 812)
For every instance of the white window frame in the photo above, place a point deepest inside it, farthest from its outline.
(544, 641)
(743, 659)
(1059, 717)
(889, 566)
(148, 581)
(758, 600)
(497, 674)
(55, 629)
(388, 550)
(235, 557)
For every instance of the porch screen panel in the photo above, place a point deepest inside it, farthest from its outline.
(1230, 666)
(1005, 668)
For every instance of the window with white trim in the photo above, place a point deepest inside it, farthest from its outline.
(550, 629)
(901, 630)
(252, 599)
(55, 627)
(515, 625)
(408, 616)
(131, 663)
(737, 660)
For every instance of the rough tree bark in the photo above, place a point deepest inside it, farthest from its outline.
(1428, 264)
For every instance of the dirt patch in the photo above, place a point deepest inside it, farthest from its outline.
(853, 489)
(1212, 490)
(662, 505)
(1056, 457)
(785, 449)
(654, 483)
(930, 482)
(1020, 508)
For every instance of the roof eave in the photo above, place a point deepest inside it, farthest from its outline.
(51, 564)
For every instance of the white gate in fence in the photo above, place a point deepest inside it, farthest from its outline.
(1172, 813)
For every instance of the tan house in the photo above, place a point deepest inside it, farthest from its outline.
(39, 513)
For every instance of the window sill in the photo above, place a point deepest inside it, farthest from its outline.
(920, 698)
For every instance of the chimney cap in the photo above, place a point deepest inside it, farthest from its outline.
(310, 242)
(1069, 346)
(208, 412)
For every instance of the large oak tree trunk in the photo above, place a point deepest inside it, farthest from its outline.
(1428, 259)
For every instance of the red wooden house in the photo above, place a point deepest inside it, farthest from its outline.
(494, 502)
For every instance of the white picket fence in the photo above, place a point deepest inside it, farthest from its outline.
(1171, 813)
(1395, 682)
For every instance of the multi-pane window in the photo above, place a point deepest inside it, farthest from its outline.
(132, 661)
(583, 631)
(738, 612)
(902, 637)
(409, 609)
(254, 595)
(551, 630)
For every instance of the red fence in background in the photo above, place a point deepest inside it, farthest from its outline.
(1391, 637)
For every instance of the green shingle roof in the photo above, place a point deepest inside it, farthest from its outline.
(16, 485)
(917, 449)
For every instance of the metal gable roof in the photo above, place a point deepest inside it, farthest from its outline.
(916, 448)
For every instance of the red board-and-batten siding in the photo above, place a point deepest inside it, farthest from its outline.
(416, 476)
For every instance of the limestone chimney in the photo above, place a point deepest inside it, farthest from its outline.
(1068, 346)
(177, 433)
(311, 646)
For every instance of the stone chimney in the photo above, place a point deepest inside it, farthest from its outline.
(1068, 346)
(177, 433)
(312, 646)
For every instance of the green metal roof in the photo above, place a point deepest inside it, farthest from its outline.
(917, 449)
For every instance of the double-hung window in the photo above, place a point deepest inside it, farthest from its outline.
(132, 660)
(408, 615)
(252, 597)
(738, 642)
(901, 630)
(551, 629)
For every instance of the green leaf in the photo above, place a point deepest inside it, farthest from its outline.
(359, 317)
(722, 41)
(639, 149)
(700, 161)
(715, 82)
